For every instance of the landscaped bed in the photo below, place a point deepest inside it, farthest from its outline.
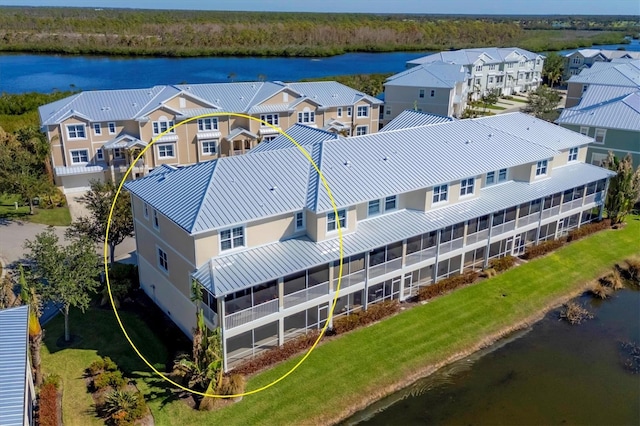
(349, 372)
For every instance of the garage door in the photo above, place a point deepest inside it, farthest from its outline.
(79, 183)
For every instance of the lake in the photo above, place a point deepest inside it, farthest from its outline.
(553, 373)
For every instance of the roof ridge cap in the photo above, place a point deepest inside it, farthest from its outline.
(197, 215)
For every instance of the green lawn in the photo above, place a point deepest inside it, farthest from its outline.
(514, 99)
(58, 216)
(365, 362)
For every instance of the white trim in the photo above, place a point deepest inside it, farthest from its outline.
(295, 221)
(99, 154)
(209, 142)
(440, 201)
(97, 129)
(470, 183)
(115, 128)
(336, 219)
(595, 136)
(365, 109)
(584, 130)
(86, 154)
(542, 168)
(173, 150)
(363, 127)
(232, 238)
(76, 126)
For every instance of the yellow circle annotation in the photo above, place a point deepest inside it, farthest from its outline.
(106, 269)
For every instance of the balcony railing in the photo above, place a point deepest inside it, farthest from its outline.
(350, 280)
(478, 236)
(208, 313)
(571, 205)
(305, 295)
(419, 256)
(502, 228)
(594, 198)
(526, 220)
(251, 314)
(553, 211)
(383, 268)
(451, 245)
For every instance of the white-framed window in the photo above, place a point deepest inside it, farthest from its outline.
(600, 135)
(597, 159)
(492, 67)
(390, 203)
(118, 153)
(79, 156)
(306, 116)
(363, 111)
(299, 221)
(166, 151)
(349, 111)
(76, 131)
(97, 129)
(573, 154)
(99, 154)
(584, 130)
(339, 112)
(145, 210)
(510, 65)
(374, 208)
(478, 67)
(112, 127)
(332, 223)
(209, 147)
(269, 138)
(421, 93)
(440, 193)
(386, 204)
(207, 124)
(477, 82)
(361, 130)
(156, 221)
(161, 126)
(232, 238)
(502, 175)
(272, 119)
(490, 79)
(466, 186)
(584, 87)
(163, 263)
(541, 168)
(576, 61)
(432, 93)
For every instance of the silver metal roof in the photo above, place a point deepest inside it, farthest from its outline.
(303, 135)
(238, 189)
(124, 141)
(489, 55)
(621, 112)
(226, 274)
(608, 54)
(410, 118)
(431, 74)
(610, 74)
(78, 170)
(14, 344)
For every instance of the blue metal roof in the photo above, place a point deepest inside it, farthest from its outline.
(14, 350)
(410, 118)
(618, 112)
(303, 135)
(431, 74)
(489, 55)
(610, 74)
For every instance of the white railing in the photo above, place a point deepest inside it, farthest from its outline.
(250, 314)
(502, 228)
(451, 245)
(571, 205)
(306, 294)
(526, 220)
(478, 236)
(419, 256)
(383, 268)
(350, 280)
(209, 314)
(553, 211)
(594, 198)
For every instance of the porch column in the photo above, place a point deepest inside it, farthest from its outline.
(365, 302)
(604, 198)
(221, 322)
(539, 221)
(436, 256)
(485, 263)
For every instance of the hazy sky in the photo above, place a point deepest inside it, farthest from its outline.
(537, 7)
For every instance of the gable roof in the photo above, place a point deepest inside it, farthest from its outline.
(303, 135)
(489, 55)
(410, 118)
(619, 110)
(610, 74)
(239, 189)
(14, 341)
(607, 54)
(432, 74)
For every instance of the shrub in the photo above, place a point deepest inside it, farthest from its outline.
(600, 291)
(633, 270)
(48, 405)
(100, 365)
(503, 263)
(575, 313)
(123, 407)
(488, 273)
(589, 229)
(542, 248)
(232, 384)
(374, 312)
(613, 280)
(53, 379)
(109, 378)
(445, 285)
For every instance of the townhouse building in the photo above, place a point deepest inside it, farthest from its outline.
(613, 74)
(575, 62)
(434, 87)
(508, 70)
(97, 134)
(259, 235)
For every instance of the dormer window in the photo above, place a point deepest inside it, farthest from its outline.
(573, 154)
(440, 193)
(387, 204)
(306, 116)
(232, 238)
(466, 186)
(299, 219)
(541, 168)
(332, 222)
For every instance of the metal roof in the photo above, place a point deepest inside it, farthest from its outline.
(14, 344)
(610, 74)
(240, 131)
(432, 74)
(608, 54)
(621, 112)
(124, 141)
(489, 55)
(332, 93)
(303, 135)
(226, 274)
(410, 118)
(78, 170)
(238, 189)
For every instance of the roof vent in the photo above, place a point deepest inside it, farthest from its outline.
(188, 87)
(134, 104)
(253, 86)
(347, 163)
(149, 93)
(385, 158)
(273, 188)
(242, 98)
(527, 128)
(217, 100)
(490, 134)
(335, 95)
(468, 141)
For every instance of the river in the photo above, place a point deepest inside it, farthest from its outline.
(44, 73)
(552, 373)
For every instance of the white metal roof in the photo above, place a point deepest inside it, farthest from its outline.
(610, 74)
(303, 135)
(410, 118)
(431, 74)
(488, 55)
(78, 170)
(14, 344)
(619, 112)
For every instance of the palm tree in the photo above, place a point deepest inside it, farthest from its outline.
(31, 298)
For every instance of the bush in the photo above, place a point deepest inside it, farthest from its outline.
(633, 270)
(575, 313)
(232, 384)
(588, 229)
(100, 365)
(374, 312)
(124, 407)
(446, 285)
(542, 248)
(600, 291)
(48, 405)
(53, 379)
(109, 378)
(488, 273)
(503, 263)
(613, 280)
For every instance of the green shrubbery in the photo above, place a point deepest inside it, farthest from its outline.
(446, 285)
(501, 264)
(124, 407)
(543, 248)
(588, 229)
(374, 312)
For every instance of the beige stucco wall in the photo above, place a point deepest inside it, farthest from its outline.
(400, 98)
(280, 98)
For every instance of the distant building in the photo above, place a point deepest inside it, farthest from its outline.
(579, 60)
(17, 393)
(410, 118)
(612, 74)
(508, 70)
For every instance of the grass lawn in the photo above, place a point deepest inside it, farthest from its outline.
(58, 216)
(365, 362)
(514, 99)
(496, 107)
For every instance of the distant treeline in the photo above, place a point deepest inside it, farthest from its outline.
(205, 33)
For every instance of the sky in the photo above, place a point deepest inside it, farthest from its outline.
(485, 7)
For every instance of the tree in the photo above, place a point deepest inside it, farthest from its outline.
(543, 103)
(64, 275)
(98, 201)
(29, 296)
(553, 68)
(624, 187)
(490, 98)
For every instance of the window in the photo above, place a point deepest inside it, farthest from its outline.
(477, 82)
(79, 156)
(385, 204)
(499, 79)
(433, 93)
(491, 178)
(269, 138)
(97, 130)
(440, 193)
(510, 65)
(492, 67)
(349, 111)
(339, 112)
(156, 222)
(466, 186)
(209, 147)
(99, 154)
(166, 151)
(269, 118)
(146, 210)
(584, 130)
(112, 128)
(332, 223)
(541, 168)
(421, 93)
(576, 61)
(206, 124)
(300, 221)
(600, 136)
(162, 126)
(118, 153)
(387, 110)
(478, 67)
(374, 207)
(361, 130)
(490, 79)
(162, 260)
(573, 154)
(502, 175)
(76, 131)
(363, 111)
(232, 238)
(306, 117)
(390, 203)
